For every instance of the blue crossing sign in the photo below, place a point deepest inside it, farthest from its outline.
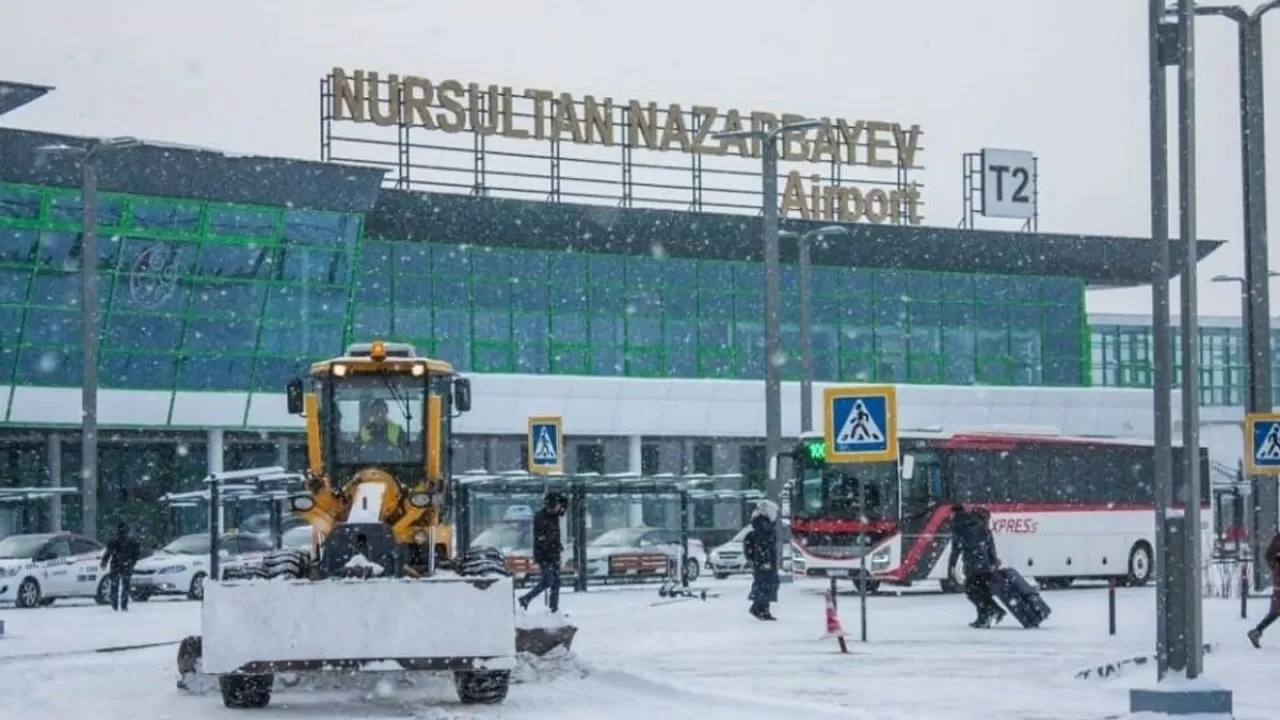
(861, 423)
(1262, 443)
(546, 445)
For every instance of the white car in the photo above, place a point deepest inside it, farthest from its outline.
(728, 559)
(38, 569)
(619, 553)
(180, 567)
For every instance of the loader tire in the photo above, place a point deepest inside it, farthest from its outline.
(290, 564)
(246, 691)
(482, 687)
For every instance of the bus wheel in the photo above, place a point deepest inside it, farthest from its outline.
(1140, 566)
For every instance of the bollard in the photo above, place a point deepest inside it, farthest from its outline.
(1111, 607)
(1244, 591)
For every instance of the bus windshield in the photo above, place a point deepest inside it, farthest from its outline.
(837, 491)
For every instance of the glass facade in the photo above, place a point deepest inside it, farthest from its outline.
(1122, 358)
(211, 296)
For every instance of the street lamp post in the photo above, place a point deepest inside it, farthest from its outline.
(89, 157)
(805, 273)
(1257, 291)
(773, 357)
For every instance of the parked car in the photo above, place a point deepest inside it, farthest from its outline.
(728, 559)
(180, 567)
(631, 551)
(37, 569)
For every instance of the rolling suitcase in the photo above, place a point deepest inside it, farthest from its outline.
(1020, 598)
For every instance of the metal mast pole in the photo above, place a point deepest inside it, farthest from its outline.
(89, 344)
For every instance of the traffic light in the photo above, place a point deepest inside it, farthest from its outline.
(813, 452)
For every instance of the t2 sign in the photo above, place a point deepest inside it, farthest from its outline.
(1008, 184)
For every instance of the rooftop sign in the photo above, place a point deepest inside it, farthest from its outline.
(501, 114)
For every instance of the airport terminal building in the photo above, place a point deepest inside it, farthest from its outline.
(222, 277)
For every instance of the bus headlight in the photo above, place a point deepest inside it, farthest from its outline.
(301, 503)
(339, 370)
(880, 559)
(418, 370)
(420, 499)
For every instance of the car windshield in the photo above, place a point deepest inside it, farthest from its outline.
(505, 536)
(621, 537)
(188, 545)
(21, 546)
(378, 418)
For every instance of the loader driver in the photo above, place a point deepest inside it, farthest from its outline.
(378, 433)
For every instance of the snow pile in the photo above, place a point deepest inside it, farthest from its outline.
(360, 561)
(543, 621)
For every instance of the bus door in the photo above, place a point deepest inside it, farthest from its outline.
(920, 486)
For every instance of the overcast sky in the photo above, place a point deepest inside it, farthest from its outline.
(1066, 79)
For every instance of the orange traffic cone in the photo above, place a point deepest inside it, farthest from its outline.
(833, 622)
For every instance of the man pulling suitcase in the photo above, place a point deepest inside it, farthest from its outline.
(971, 539)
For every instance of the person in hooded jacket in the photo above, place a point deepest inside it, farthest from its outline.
(971, 539)
(547, 550)
(1272, 556)
(760, 547)
(122, 555)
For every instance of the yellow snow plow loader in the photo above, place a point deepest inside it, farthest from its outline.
(380, 589)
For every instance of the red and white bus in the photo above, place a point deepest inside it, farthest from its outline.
(1062, 508)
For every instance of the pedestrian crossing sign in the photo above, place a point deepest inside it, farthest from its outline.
(861, 423)
(546, 445)
(1262, 443)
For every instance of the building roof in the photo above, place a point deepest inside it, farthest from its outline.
(14, 95)
(198, 173)
(1099, 260)
(181, 171)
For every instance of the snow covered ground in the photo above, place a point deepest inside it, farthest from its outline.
(692, 659)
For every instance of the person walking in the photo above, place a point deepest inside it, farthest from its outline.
(122, 555)
(971, 539)
(1272, 556)
(760, 546)
(547, 551)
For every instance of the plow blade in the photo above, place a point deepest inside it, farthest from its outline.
(452, 623)
(540, 641)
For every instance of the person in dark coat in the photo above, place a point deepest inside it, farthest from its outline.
(122, 555)
(547, 550)
(761, 549)
(1272, 556)
(971, 539)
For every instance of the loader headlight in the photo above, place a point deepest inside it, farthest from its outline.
(301, 503)
(420, 499)
(419, 370)
(421, 537)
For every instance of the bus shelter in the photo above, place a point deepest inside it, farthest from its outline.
(21, 508)
(602, 509)
(236, 490)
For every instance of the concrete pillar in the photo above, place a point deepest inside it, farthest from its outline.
(635, 465)
(213, 464)
(491, 454)
(55, 481)
(282, 452)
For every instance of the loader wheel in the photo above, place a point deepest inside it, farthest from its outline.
(246, 691)
(482, 687)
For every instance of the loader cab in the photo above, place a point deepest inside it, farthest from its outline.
(381, 405)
